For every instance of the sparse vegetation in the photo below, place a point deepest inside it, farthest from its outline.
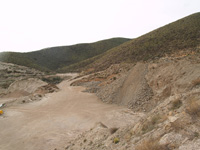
(57, 57)
(196, 134)
(116, 140)
(176, 104)
(178, 36)
(52, 80)
(150, 124)
(5, 85)
(177, 125)
(113, 130)
(193, 109)
(196, 82)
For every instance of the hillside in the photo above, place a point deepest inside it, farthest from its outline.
(166, 90)
(157, 74)
(180, 36)
(56, 57)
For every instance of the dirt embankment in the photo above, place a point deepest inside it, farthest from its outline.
(19, 85)
(129, 90)
(10, 73)
(141, 87)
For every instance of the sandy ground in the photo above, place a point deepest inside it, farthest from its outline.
(57, 118)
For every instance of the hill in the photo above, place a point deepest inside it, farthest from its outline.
(180, 36)
(157, 74)
(57, 57)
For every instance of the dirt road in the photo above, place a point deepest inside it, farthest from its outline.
(57, 118)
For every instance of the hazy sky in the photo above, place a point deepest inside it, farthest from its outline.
(27, 25)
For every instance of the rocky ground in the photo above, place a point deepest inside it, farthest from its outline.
(167, 90)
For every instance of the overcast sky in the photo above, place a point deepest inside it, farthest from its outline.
(27, 25)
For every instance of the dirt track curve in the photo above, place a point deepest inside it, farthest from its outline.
(57, 118)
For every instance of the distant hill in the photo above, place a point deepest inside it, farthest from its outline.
(181, 35)
(57, 57)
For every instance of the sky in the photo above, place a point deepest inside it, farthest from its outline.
(29, 25)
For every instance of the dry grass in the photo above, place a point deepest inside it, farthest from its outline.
(177, 125)
(150, 144)
(150, 125)
(193, 109)
(196, 82)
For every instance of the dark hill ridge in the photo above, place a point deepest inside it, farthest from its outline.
(56, 57)
(181, 35)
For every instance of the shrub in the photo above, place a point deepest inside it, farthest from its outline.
(52, 80)
(193, 109)
(177, 125)
(176, 104)
(196, 82)
(196, 134)
(116, 140)
(147, 127)
(150, 125)
(5, 85)
(113, 130)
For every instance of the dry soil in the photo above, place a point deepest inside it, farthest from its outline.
(57, 118)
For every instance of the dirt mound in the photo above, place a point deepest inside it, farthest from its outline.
(16, 94)
(133, 91)
(127, 87)
(29, 85)
(24, 87)
(50, 88)
(10, 73)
